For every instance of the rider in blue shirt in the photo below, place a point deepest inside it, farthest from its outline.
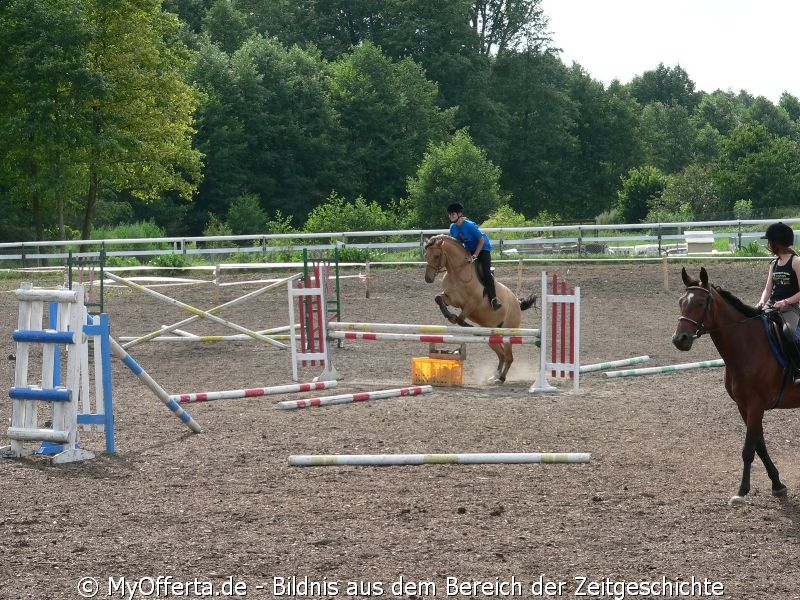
(478, 245)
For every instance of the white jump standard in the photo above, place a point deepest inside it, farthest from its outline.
(322, 460)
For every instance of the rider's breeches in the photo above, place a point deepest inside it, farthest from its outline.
(485, 258)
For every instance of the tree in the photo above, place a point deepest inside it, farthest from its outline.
(607, 144)
(455, 171)
(46, 87)
(641, 188)
(669, 86)
(693, 187)
(389, 114)
(758, 166)
(226, 26)
(506, 25)
(268, 128)
(141, 128)
(99, 101)
(667, 136)
(535, 124)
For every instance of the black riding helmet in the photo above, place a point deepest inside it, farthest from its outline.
(455, 207)
(780, 233)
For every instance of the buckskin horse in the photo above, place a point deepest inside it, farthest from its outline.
(462, 288)
(754, 378)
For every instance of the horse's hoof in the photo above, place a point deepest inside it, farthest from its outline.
(737, 501)
(780, 492)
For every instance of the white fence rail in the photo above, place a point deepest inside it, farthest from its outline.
(653, 239)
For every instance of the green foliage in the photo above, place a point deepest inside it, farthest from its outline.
(663, 214)
(217, 227)
(608, 217)
(338, 215)
(141, 229)
(743, 209)
(455, 171)
(169, 260)
(109, 213)
(691, 192)
(640, 189)
(389, 113)
(122, 261)
(280, 224)
(751, 249)
(245, 215)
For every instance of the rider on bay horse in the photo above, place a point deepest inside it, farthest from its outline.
(782, 290)
(477, 243)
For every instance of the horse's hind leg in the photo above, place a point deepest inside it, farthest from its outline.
(754, 443)
(504, 360)
(778, 489)
(502, 369)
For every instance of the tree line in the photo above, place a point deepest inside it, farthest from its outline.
(253, 116)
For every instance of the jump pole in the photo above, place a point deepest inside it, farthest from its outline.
(667, 369)
(433, 339)
(321, 460)
(357, 397)
(162, 395)
(252, 392)
(431, 329)
(635, 360)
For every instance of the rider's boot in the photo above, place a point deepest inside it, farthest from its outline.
(497, 305)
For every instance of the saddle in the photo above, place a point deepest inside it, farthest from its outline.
(785, 342)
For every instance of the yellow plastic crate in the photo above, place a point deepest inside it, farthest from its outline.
(437, 371)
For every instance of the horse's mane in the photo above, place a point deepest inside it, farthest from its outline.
(441, 236)
(746, 309)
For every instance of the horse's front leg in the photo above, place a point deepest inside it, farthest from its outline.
(453, 318)
(748, 454)
(778, 489)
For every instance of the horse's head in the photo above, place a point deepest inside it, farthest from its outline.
(435, 258)
(695, 306)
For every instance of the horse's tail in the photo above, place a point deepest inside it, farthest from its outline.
(526, 303)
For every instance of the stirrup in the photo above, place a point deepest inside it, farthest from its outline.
(497, 305)
(797, 379)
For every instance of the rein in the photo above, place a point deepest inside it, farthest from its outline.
(701, 325)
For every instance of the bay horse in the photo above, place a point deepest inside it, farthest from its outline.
(754, 378)
(462, 289)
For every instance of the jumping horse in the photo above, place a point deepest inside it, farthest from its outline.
(462, 288)
(754, 378)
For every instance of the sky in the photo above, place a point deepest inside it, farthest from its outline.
(721, 44)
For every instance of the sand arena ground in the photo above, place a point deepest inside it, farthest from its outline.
(225, 506)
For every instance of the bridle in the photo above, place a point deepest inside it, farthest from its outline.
(441, 268)
(701, 325)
